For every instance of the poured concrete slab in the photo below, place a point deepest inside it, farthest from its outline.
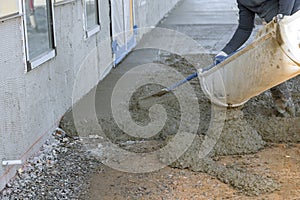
(210, 23)
(203, 12)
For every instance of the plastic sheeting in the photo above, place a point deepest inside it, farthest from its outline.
(122, 28)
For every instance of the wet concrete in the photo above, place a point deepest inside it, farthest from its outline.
(235, 131)
(236, 137)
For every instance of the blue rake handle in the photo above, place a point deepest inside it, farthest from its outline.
(186, 79)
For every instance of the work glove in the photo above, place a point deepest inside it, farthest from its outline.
(220, 57)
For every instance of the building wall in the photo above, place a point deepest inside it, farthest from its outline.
(32, 103)
(149, 13)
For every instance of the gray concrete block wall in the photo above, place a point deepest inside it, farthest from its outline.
(12, 93)
(32, 103)
(149, 13)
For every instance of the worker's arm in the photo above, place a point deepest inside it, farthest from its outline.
(244, 30)
(286, 7)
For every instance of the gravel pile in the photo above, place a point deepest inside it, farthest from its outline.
(58, 171)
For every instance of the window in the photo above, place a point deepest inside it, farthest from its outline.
(92, 22)
(39, 32)
(9, 8)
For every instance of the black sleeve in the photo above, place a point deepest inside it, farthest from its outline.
(244, 30)
(286, 7)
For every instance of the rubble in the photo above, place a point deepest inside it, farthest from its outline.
(60, 170)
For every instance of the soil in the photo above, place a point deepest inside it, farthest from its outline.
(278, 161)
(252, 151)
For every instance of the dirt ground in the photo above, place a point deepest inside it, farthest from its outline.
(278, 161)
(255, 157)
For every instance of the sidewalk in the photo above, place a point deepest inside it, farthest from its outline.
(211, 23)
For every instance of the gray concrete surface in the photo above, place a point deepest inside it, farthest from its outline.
(211, 23)
(190, 21)
(201, 20)
(198, 20)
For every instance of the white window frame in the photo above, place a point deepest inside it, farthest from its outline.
(62, 2)
(95, 29)
(46, 56)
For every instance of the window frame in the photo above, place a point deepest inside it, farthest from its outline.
(63, 2)
(97, 27)
(47, 55)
